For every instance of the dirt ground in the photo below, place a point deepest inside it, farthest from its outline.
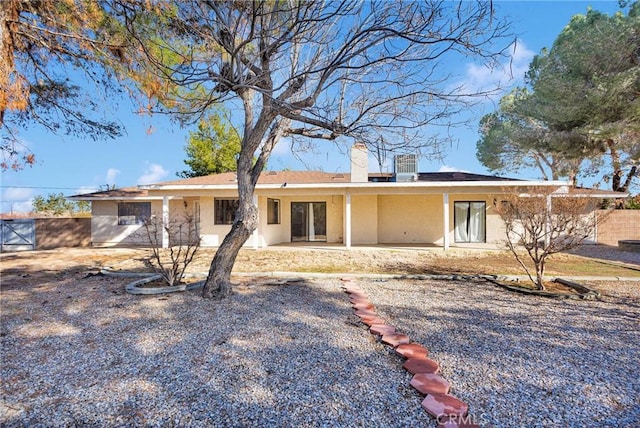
(596, 261)
(67, 332)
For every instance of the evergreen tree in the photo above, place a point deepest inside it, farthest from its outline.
(212, 148)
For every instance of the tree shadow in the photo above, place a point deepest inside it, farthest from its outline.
(608, 253)
(266, 356)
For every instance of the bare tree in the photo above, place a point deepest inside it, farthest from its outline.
(544, 223)
(372, 72)
(184, 242)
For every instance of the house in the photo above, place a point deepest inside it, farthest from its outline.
(406, 207)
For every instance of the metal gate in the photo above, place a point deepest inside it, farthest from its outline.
(17, 235)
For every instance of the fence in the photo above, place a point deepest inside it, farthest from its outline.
(45, 233)
(620, 224)
(17, 235)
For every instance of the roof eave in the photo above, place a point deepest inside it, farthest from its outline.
(343, 185)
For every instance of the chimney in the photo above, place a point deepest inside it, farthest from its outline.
(359, 163)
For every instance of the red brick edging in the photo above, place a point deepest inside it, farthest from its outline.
(449, 411)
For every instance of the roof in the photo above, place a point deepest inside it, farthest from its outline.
(307, 179)
(123, 193)
(318, 177)
(459, 176)
(596, 193)
(267, 177)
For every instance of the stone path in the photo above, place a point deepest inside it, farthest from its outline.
(449, 411)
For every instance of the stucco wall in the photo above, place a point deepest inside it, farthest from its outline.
(383, 219)
(271, 234)
(105, 230)
(406, 219)
(364, 219)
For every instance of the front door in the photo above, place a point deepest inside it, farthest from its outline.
(308, 221)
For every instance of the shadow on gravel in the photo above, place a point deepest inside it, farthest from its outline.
(414, 268)
(78, 351)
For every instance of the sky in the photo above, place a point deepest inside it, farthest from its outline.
(71, 165)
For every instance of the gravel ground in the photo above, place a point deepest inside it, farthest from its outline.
(78, 351)
(522, 360)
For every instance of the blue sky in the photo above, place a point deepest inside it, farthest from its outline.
(71, 165)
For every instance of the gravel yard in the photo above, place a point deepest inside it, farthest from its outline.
(80, 352)
(77, 350)
(522, 360)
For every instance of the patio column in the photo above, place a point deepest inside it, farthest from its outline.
(347, 221)
(547, 226)
(165, 222)
(445, 220)
(256, 234)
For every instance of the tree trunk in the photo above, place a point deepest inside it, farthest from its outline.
(632, 173)
(218, 284)
(540, 274)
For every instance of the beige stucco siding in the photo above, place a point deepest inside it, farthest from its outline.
(364, 219)
(405, 219)
(270, 234)
(212, 234)
(335, 219)
(105, 230)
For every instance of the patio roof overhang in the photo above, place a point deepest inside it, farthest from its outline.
(376, 186)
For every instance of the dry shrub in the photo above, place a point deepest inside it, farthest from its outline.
(545, 221)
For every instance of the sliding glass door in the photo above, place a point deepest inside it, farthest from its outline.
(470, 221)
(308, 221)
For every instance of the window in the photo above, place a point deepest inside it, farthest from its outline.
(470, 221)
(308, 221)
(225, 210)
(133, 212)
(273, 211)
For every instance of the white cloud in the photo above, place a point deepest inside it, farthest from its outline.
(152, 174)
(17, 193)
(17, 199)
(447, 168)
(22, 207)
(520, 59)
(111, 175)
(283, 147)
(508, 73)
